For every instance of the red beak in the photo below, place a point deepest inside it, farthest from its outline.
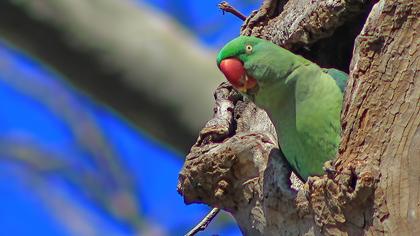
(235, 73)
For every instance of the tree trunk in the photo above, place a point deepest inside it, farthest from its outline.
(374, 189)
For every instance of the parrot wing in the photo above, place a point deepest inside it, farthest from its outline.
(339, 77)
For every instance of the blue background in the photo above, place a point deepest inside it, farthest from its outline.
(63, 171)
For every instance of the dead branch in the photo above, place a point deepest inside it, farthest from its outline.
(226, 7)
(202, 225)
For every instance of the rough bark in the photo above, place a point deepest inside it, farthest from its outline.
(236, 164)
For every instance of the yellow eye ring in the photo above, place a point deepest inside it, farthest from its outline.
(248, 48)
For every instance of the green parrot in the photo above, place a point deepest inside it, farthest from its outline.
(303, 101)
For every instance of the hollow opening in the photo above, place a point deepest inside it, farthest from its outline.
(336, 51)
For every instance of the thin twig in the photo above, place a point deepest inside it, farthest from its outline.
(204, 222)
(226, 7)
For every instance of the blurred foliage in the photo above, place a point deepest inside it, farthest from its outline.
(81, 161)
(72, 166)
(128, 55)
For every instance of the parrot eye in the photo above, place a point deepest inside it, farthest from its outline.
(248, 48)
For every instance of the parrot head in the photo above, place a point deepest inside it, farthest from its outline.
(232, 58)
(253, 65)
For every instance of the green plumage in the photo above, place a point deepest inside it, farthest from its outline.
(303, 100)
(339, 77)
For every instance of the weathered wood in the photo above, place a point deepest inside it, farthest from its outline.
(381, 128)
(236, 164)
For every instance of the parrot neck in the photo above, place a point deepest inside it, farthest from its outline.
(306, 113)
